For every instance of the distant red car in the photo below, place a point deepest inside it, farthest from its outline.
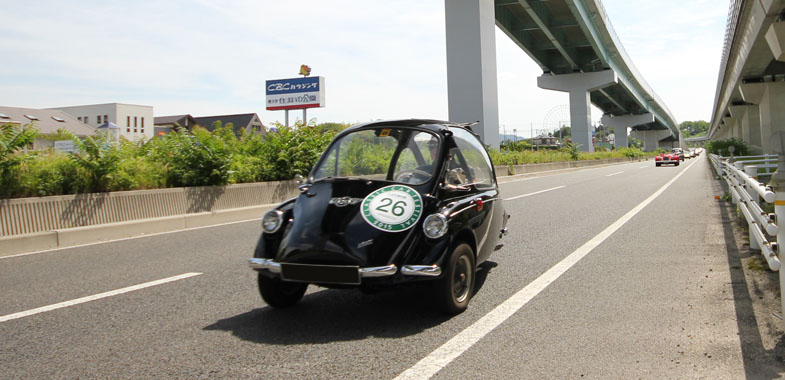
(667, 158)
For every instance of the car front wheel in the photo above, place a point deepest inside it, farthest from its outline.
(280, 294)
(454, 289)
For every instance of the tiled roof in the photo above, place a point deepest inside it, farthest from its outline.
(47, 120)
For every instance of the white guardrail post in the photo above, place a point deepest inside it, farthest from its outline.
(778, 184)
(747, 192)
(752, 171)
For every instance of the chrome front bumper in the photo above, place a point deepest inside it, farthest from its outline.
(384, 271)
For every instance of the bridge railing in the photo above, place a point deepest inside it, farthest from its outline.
(741, 174)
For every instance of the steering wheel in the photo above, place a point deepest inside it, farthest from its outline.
(414, 173)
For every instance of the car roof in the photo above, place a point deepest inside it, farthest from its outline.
(431, 124)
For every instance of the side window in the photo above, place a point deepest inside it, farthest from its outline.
(457, 172)
(480, 172)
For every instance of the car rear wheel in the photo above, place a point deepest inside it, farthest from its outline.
(658, 164)
(454, 290)
(280, 294)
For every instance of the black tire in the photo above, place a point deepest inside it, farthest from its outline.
(657, 164)
(677, 163)
(280, 294)
(455, 289)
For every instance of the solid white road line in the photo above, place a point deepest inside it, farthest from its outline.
(613, 174)
(94, 297)
(644, 167)
(442, 356)
(534, 193)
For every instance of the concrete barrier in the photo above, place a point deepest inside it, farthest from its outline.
(550, 166)
(70, 237)
(39, 241)
(30, 215)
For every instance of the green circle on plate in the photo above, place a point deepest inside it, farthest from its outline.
(393, 208)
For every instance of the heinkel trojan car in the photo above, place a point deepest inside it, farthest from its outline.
(388, 204)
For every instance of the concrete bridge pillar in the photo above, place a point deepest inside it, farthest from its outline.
(772, 113)
(752, 94)
(471, 66)
(621, 123)
(651, 139)
(730, 123)
(579, 85)
(748, 119)
(770, 97)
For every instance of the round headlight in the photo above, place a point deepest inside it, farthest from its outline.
(271, 221)
(435, 226)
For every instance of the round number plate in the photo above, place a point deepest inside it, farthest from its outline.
(392, 208)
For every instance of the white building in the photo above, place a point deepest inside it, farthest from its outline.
(136, 122)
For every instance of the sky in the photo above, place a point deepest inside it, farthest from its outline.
(380, 59)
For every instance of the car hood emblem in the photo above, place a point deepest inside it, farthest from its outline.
(345, 201)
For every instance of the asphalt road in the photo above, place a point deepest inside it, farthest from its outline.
(618, 272)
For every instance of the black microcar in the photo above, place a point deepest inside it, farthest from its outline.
(389, 203)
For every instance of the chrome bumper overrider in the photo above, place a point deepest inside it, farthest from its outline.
(268, 264)
(421, 270)
(384, 271)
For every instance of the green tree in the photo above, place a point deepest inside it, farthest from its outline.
(694, 128)
(201, 158)
(97, 160)
(13, 139)
(292, 150)
(333, 127)
(720, 147)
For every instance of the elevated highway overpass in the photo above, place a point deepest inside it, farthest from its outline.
(749, 102)
(576, 47)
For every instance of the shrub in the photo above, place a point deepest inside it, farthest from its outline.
(292, 150)
(96, 159)
(720, 147)
(201, 158)
(13, 139)
(48, 173)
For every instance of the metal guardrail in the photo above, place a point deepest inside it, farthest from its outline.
(746, 191)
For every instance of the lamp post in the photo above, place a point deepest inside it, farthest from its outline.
(562, 124)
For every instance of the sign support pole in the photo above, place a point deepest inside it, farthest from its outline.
(287, 117)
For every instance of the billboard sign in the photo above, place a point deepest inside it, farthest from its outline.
(295, 93)
(65, 146)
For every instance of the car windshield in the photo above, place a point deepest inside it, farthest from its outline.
(383, 153)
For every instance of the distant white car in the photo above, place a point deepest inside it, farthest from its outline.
(679, 152)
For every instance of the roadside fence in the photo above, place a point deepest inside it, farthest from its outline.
(742, 176)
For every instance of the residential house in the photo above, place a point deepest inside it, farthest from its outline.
(248, 122)
(166, 124)
(543, 140)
